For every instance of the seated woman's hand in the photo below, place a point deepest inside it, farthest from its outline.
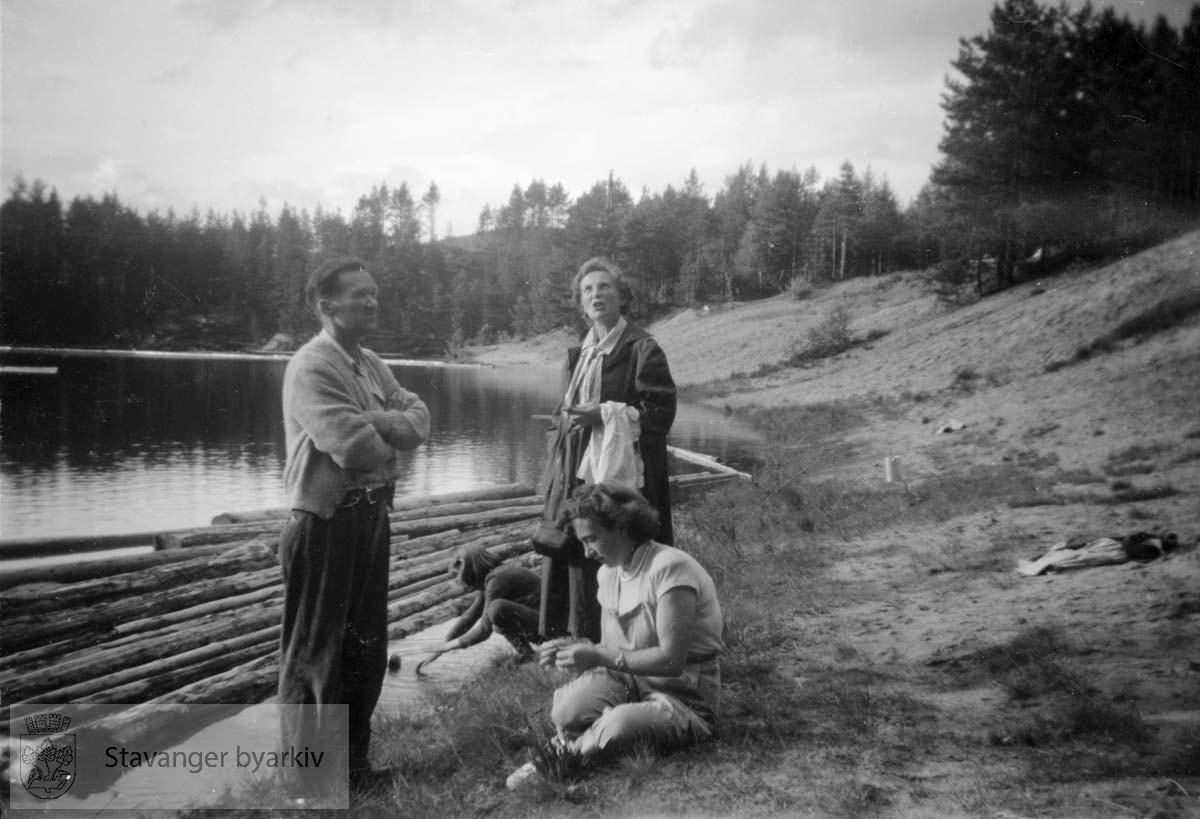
(562, 653)
(578, 657)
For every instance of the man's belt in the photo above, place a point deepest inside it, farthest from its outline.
(371, 496)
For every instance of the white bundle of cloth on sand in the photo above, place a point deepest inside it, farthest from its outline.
(1082, 551)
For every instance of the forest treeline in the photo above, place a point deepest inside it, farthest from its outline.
(1066, 133)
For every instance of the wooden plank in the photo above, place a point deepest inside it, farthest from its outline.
(706, 461)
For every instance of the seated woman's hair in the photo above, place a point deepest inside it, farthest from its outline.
(601, 263)
(472, 564)
(615, 506)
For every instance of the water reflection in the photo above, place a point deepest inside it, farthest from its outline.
(112, 445)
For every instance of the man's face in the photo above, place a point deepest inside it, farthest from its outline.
(355, 307)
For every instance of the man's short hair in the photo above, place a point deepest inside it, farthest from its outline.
(323, 283)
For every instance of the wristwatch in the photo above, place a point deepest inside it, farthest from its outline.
(622, 664)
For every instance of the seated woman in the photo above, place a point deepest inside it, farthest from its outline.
(507, 602)
(655, 675)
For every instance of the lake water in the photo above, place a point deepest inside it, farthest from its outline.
(112, 444)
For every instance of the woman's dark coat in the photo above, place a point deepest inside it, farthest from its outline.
(635, 373)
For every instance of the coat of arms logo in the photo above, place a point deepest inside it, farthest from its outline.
(47, 756)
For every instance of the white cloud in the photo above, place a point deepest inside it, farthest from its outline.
(216, 103)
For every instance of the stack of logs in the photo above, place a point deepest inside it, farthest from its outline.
(197, 621)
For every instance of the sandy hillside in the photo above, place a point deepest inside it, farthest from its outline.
(914, 601)
(984, 364)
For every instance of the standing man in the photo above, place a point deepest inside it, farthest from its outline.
(345, 416)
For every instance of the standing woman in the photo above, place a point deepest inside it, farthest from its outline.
(620, 373)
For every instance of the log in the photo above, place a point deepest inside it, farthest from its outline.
(248, 682)
(237, 601)
(706, 461)
(28, 631)
(405, 548)
(441, 559)
(39, 598)
(104, 567)
(143, 688)
(45, 654)
(130, 684)
(429, 617)
(71, 544)
(413, 603)
(203, 536)
(508, 490)
(429, 525)
(411, 590)
(463, 508)
(63, 671)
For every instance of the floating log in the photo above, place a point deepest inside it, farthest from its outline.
(123, 685)
(31, 599)
(205, 535)
(28, 631)
(202, 622)
(406, 526)
(413, 588)
(248, 682)
(499, 492)
(135, 650)
(472, 521)
(71, 544)
(45, 654)
(103, 567)
(443, 510)
(428, 618)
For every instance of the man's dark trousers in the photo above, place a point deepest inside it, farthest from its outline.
(333, 645)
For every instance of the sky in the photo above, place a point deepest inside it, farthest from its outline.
(218, 104)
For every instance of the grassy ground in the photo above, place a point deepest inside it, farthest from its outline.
(884, 658)
(824, 717)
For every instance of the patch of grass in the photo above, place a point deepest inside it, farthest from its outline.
(1132, 468)
(1137, 452)
(1035, 499)
(1157, 319)
(1141, 493)
(1027, 666)
(1078, 477)
(766, 369)
(964, 377)
(1031, 459)
(1186, 456)
(1069, 717)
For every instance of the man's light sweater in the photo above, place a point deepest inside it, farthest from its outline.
(342, 433)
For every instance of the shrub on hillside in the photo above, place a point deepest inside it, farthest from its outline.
(800, 288)
(831, 336)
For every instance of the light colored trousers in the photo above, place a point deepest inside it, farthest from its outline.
(607, 710)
